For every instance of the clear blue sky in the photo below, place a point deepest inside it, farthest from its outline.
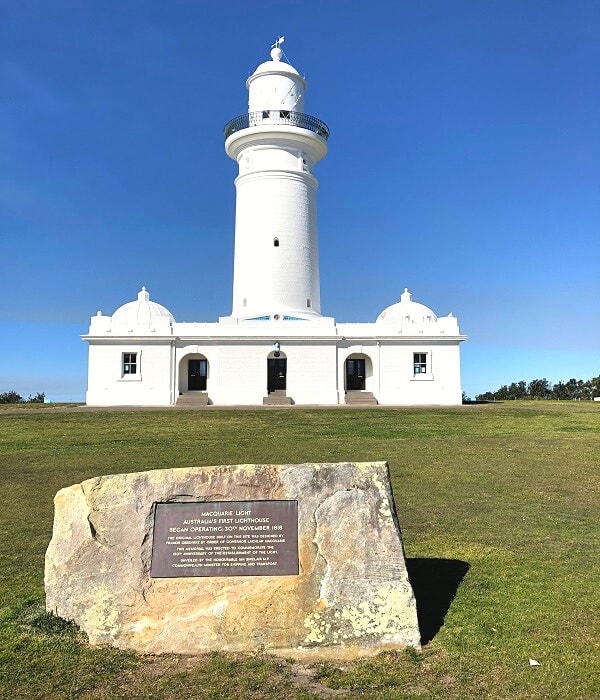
(464, 164)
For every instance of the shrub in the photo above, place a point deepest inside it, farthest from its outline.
(11, 397)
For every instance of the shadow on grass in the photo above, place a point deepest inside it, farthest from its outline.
(434, 582)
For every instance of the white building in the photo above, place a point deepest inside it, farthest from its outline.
(276, 347)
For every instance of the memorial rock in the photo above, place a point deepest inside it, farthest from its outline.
(301, 560)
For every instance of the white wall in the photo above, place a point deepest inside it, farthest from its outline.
(440, 385)
(269, 279)
(240, 374)
(237, 371)
(276, 91)
(311, 373)
(150, 386)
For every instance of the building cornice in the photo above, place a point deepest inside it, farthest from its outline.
(399, 339)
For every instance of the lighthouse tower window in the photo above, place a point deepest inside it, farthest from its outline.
(276, 242)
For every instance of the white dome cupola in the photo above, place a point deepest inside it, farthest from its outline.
(142, 312)
(407, 311)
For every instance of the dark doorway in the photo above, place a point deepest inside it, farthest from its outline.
(276, 374)
(355, 375)
(197, 370)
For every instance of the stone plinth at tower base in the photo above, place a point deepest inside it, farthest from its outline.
(304, 561)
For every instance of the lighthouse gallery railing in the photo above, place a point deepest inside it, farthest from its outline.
(277, 117)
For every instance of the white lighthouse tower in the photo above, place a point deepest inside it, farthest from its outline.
(276, 146)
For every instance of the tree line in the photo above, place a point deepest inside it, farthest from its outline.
(13, 397)
(572, 390)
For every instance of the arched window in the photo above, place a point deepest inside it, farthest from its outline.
(276, 242)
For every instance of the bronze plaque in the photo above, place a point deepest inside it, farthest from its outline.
(225, 538)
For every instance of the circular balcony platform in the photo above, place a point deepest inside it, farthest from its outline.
(277, 117)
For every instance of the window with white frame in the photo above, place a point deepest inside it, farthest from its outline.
(419, 363)
(130, 363)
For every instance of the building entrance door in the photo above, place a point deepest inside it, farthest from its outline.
(355, 375)
(197, 375)
(276, 374)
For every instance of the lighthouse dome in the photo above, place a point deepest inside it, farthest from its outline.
(407, 311)
(142, 311)
(279, 67)
(275, 65)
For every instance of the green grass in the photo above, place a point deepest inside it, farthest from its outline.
(511, 490)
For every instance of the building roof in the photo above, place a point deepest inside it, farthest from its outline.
(141, 311)
(407, 311)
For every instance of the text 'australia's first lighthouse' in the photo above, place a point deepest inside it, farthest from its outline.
(276, 145)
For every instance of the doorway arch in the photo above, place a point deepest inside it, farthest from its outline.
(193, 373)
(358, 372)
(276, 372)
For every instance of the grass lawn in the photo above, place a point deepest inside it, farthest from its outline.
(498, 505)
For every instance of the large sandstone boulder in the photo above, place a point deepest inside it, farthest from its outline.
(351, 596)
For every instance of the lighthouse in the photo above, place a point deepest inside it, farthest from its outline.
(276, 146)
(275, 348)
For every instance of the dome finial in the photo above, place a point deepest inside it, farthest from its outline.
(143, 295)
(406, 295)
(276, 52)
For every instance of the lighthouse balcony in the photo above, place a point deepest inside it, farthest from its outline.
(277, 117)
